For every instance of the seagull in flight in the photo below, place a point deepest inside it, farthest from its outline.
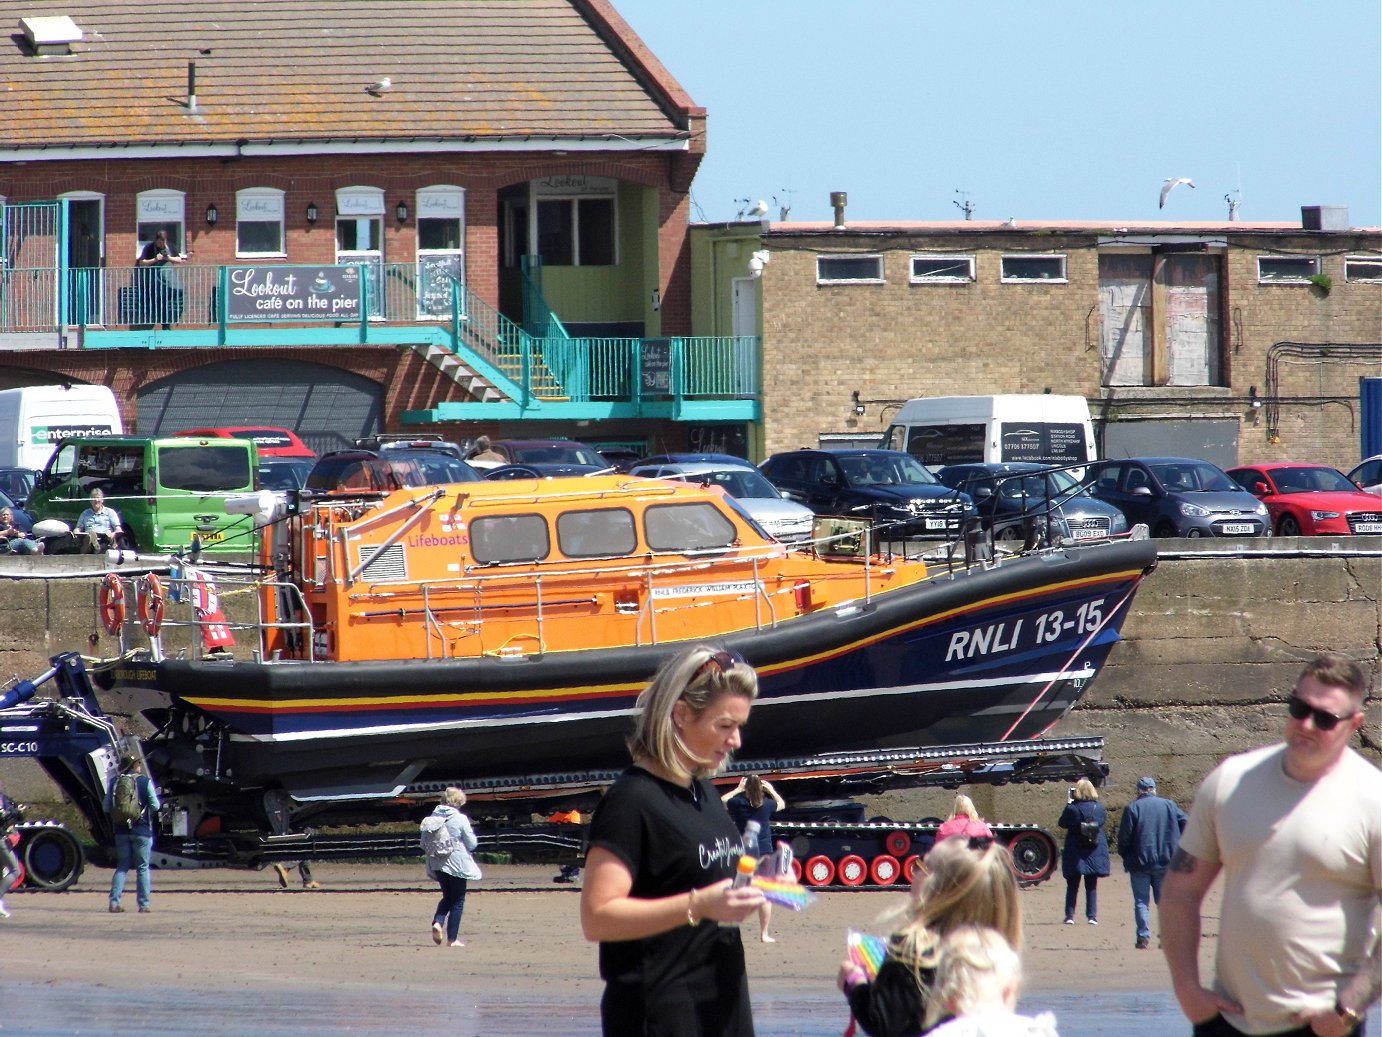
(1170, 184)
(761, 209)
(377, 89)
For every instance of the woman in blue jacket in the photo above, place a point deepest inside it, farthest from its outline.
(1086, 850)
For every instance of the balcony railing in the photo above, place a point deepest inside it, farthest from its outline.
(399, 302)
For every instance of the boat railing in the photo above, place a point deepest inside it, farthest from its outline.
(186, 587)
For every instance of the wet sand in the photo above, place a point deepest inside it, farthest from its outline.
(234, 950)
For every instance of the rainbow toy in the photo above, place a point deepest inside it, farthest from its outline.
(866, 951)
(791, 895)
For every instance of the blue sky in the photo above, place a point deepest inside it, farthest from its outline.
(1070, 110)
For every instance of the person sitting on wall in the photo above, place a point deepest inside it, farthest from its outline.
(100, 524)
(14, 540)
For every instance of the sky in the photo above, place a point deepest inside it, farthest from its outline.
(1029, 109)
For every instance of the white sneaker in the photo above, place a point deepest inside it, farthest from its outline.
(3, 912)
(438, 937)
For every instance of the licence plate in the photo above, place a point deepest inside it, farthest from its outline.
(211, 538)
(935, 523)
(1368, 527)
(1238, 527)
(1087, 534)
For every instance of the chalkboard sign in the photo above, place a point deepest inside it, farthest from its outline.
(435, 276)
(718, 439)
(656, 366)
(260, 293)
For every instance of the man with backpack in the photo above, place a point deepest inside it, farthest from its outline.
(132, 804)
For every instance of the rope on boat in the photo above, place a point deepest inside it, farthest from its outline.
(1065, 667)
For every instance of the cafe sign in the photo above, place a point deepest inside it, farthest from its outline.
(267, 293)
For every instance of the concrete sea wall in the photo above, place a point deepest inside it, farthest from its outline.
(1214, 642)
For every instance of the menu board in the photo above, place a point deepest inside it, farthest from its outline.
(435, 276)
(268, 293)
(656, 367)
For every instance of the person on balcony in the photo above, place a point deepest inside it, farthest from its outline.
(160, 295)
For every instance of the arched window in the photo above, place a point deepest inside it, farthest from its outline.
(161, 210)
(259, 222)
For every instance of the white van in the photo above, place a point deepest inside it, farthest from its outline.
(1039, 427)
(34, 417)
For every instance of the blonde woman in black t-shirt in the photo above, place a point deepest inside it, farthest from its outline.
(662, 855)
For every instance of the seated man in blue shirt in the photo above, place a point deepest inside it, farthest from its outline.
(100, 524)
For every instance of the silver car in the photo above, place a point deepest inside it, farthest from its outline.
(786, 520)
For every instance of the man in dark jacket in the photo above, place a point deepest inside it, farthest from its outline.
(1148, 837)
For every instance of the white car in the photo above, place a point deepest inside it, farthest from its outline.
(784, 519)
(1368, 475)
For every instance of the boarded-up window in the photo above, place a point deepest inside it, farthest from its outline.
(1169, 303)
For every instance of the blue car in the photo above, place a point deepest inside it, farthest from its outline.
(891, 487)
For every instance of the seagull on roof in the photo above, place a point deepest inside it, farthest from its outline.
(1170, 184)
(377, 89)
(761, 209)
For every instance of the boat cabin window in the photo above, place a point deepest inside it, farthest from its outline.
(596, 533)
(509, 538)
(687, 527)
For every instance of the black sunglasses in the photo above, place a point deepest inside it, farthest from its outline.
(1324, 721)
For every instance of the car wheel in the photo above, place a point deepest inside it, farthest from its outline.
(1288, 527)
(1163, 530)
(1194, 534)
(1009, 533)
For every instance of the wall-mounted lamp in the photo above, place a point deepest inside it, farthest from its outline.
(402, 212)
(212, 215)
(858, 405)
(1252, 397)
(312, 212)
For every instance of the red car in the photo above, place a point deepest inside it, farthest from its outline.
(1311, 499)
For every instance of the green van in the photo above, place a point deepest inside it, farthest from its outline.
(166, 491)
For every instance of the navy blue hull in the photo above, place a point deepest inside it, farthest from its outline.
(985, 656)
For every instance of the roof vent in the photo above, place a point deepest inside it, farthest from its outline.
(53, 34)
(1324, 217)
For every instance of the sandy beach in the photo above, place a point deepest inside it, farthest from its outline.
(356, 956)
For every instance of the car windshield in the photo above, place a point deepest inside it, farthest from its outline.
(559, 453)
(441, 468)
(885, 470)
(1309, 479)
(1192, 477)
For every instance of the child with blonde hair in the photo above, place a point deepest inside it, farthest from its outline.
(967, 882)
(977, 981)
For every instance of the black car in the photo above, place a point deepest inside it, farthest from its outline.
(890, 487)
(18, 483)
(1022, 500)
(284, 473)
(541, 470)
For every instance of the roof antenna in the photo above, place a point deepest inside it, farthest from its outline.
(786, 207)
(964, 204)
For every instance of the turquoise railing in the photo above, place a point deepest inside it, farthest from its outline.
(108, 301)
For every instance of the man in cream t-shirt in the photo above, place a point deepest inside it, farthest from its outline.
(1296, 829)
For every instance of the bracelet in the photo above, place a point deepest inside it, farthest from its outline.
(1350, 1017)
(690, 913)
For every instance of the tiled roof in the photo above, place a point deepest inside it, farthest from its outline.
(495, 72)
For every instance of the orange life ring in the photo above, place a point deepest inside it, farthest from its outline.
(151, 605)
(113, 603)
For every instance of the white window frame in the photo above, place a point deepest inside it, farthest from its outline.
(260, 205)
(160, 207)
(1311, 265)
(440, 202)
(1371, 269)
(967, 262)
(1057, 257)
(821, 279)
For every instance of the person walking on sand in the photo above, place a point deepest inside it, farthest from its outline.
(965, 882)
(754, 799)
(1085, 856)
(1296, 830)
(977, 983)
(11, 813)
(450, 863)
(1148, 836)
(133, 827)
(662, 857)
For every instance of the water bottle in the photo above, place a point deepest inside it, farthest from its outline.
(751, 838)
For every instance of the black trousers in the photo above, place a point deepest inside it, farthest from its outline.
(1219, 1027)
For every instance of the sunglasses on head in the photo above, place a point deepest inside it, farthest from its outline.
(723, 661)
(1324, 721)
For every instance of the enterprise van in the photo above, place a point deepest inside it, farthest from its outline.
(1038, 427)
(34, 418)
(166, 491)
